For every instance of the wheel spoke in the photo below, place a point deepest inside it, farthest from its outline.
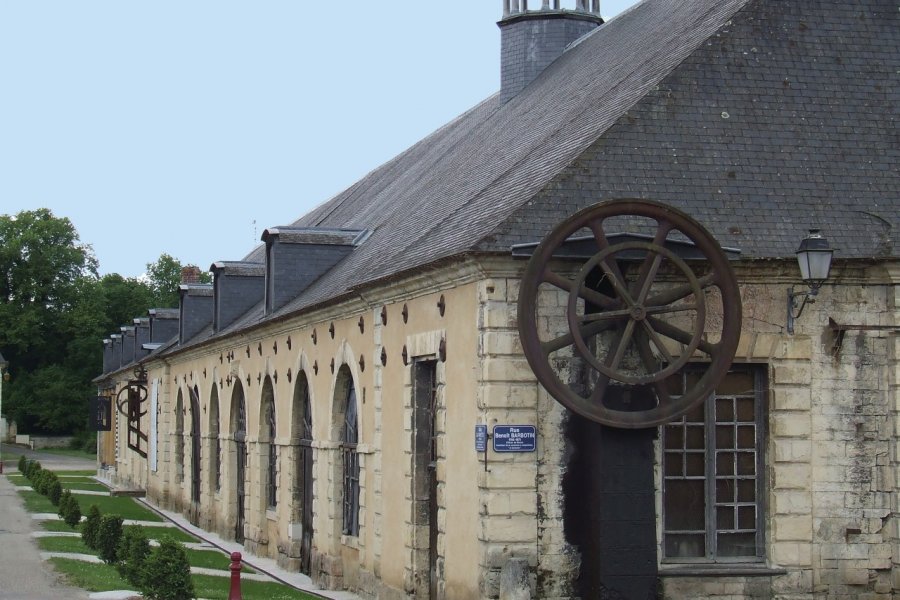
(609, 266)
(587, 294)
(620, 346)
(605, 315)
(589, 330)
(657, 342)
(646, 353)
(600, 389)
(659, 310)
(679, 335)
(647, 272)
(679, 292)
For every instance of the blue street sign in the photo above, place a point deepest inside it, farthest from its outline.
(515, 438)
(481, 438)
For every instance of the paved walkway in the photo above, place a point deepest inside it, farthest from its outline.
(23, 575)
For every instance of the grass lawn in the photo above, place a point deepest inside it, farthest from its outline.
(18, 480)
(36, 503)
(70, 452)
(75, 486)
(90, 577)
(83, 473)
(157, 533)
(104, 578)
(64, 544)
(123, 506)
(57, 526)
(216, 588)
(212, 559)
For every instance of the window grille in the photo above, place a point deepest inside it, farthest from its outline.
(351, 466)
(713, 473)
(272, 480)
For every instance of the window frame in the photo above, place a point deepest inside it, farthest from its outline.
(350, 465)
(712, 556)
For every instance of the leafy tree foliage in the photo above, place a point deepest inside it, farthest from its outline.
(55, 310)
(164, 277)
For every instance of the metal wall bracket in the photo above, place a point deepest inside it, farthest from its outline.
(838, 330)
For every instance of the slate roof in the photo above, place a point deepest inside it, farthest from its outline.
(761, 118)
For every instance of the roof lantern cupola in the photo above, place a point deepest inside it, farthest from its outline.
(532, 37)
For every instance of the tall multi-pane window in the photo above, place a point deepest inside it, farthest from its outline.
(349, 440)
(713, 473)
(272, 478)
(215, 446)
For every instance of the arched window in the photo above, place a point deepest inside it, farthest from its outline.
(239, 427)
(302, 437)
(268, 446)
(195, 444)
(179, 438)
(215, 448)
(349, 439)
(272, 481)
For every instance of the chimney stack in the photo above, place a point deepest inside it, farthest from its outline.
(531, 39)
(190, 275)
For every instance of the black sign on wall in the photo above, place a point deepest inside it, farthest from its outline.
(100, 409)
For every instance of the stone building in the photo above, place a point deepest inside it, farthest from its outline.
(353, 398)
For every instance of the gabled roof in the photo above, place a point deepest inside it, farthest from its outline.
(760, 118)
(452, 190)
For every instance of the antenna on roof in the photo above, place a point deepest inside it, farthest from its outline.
(255, 236)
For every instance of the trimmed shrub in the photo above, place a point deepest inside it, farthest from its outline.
(91, 527)
(32, 469)
(22, 463)
(108, 536)
(72, 516)
(39, 481)
(167, 573)
(54, 491)
(64, 499)
(134, 548)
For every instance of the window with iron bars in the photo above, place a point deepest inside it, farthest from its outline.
(272, 480)
(351, 466)
(713, 484)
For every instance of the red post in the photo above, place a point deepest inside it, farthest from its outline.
(235, 591)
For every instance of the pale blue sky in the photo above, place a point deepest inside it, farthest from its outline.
(171, 126)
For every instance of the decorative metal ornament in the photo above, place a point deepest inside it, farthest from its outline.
(442, 305)
(331, 329)
(442, 350)
(248, 351)
(289, 376)
(362, 363)
(405, 313)
(405, 356)
(383, 357)
(275, 346)
(636, 312)
(259, 348)
(362, 325)
(129, 403)
(332, 366)
(289, 342)
(314, 337)
(316, 367)
(384, 315)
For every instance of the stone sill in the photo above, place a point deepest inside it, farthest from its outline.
(720, 570)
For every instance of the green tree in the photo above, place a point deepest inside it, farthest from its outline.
(164, 277)
(43, 268)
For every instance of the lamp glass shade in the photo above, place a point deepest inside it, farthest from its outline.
(814, 257)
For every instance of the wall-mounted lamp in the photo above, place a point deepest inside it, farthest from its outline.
(814, 257)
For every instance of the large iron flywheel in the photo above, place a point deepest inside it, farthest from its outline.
(653, 293)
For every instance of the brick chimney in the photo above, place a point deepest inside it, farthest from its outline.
(532, 38)
(190, 275)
